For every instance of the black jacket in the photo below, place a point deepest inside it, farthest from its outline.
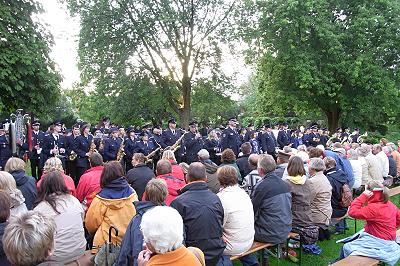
(230, 140)
(27, 185)
(268, 142)
(81, 146)
(243, 164)
(192, 146)
(138, 177)
(132, 243)
(272, 203)
(203, 215)
(3, 257)
(337, 178)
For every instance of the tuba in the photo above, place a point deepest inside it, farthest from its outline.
(18, 130)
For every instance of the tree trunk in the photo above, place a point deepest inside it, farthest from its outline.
(333, 116)
(185, 110)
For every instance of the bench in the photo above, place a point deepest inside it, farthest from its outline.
(359, 260)
(257, 246)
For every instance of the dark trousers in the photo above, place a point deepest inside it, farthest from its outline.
(70, 169)
(35, 168)
(79, 172)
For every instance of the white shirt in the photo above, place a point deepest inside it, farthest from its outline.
(238, 225)
(69, 239)
(357, 171)
(383, 159)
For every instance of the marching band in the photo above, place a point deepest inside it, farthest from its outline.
(74, 147)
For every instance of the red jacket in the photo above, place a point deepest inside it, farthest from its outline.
(382, 219)
(177, 171)
(89, 185)
(173, 184)
(68, 181)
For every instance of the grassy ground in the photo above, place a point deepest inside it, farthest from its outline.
(330, 250)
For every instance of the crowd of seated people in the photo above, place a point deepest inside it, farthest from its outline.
(202, 213)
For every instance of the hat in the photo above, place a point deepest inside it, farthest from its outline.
(130, 129)
(113, 129)
(144, 133)
(339, 128)
(356, 129)
(172, 121)
(232, 119)
(284, 124)
(267, 126)
(193, 123)
(157, 127)
(77, 125)
(283, 154)
(36, 123)
(57, 123)
(250, 125)
(85, 125)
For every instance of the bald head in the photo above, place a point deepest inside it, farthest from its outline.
(196, 172)
(253, 160)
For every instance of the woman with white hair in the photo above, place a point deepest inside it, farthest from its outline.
(164, 237)
(25, 183)
(321, 193)
(176, 168)
(8, 185)
(54, 164)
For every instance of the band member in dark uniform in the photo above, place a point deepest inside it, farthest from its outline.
(268, 141)
(81, 146)
(212, 145)
(5, 149)
(54, 144)
(284, 136)
(314, 138)
(230, 137)
(144, 146)
(35, 153)
(130, 146)
(170, 136)
(324, 136)
(354, 136)
(249, 132)
(193, 142)
(112, 145)
(70, 168)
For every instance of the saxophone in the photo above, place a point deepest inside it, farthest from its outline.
(121, 151)
(92, 147)
(362, 137)
(176, 145)
(148, 157)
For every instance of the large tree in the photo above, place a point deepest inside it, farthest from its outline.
(339, 57)
(173, 41)
(28, 78)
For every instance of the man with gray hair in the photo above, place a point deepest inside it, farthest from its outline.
(29, 239)
(383, 159)
(272, 202)
(211, 170)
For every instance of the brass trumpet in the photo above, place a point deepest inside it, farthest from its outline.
(72, 156)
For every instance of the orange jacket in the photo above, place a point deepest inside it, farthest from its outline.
(104, 212)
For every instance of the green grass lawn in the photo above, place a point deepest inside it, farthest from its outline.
(330, 250)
